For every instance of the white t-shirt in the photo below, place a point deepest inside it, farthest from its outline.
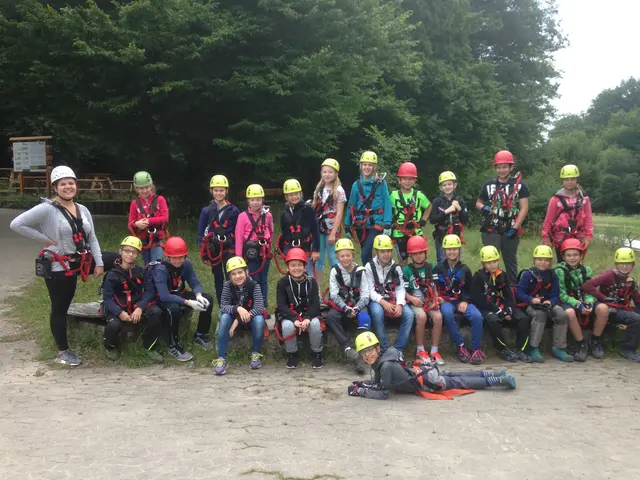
(342, 198)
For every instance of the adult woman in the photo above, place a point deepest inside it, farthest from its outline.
(70, 248)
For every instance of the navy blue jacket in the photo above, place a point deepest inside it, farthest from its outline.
(113, 288)
(550, 286)
(160, 281)
(459, 277)
(207, 215)
(307, 220)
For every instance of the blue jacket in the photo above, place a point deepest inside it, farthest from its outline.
(549, 286)
(458, 278)
(160, 281)
(207, 215)
(113, 292)
(381, 202)
(308, 224)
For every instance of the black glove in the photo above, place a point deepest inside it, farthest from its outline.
(354, 390)
(501, 314)
(422, 222)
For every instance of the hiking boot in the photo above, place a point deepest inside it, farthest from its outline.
(582, 353)
(502, 381)
(316, 360)
(597, 350)
(204, 341)
(536, 356)
(422, 356)
(155, 356)
(292, 361)
(463, 354)
(219, 366)
(352, 356)
(361, 367)
(436, 357)
(256, 361)
(524, 357)
(477, 357)
(68, 358)
(508, 356)
(113, 354)
(561, 355)
(509, 382)
(177, 352)
(630, 355)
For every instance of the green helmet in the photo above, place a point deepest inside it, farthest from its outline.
(142, 179)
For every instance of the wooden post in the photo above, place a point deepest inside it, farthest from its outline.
(21, 184)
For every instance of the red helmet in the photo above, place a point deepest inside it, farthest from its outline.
(296, 254)
(572, 244)
(417, 244)
(175, 247)
(408, 169)
(503, 156)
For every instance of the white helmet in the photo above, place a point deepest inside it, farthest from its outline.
(61, 172)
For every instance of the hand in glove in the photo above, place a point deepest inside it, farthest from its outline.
(386, 231)
(202, 301)
(422, 223)
(580, 307)
(485, 210)
(354, 390)
(195, 305)
(511, 233)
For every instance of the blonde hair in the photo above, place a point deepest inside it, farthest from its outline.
(334, 188)
(376, 175)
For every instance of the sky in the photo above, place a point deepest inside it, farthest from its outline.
(604, 49)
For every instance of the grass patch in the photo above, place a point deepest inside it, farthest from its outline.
(614, 226)
(31, 308)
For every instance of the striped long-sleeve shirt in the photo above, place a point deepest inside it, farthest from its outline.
(250, 291)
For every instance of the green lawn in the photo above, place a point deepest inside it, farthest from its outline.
(617, 226)
(32, 308)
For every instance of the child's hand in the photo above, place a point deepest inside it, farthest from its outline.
(440, 300)
(136, 315)
(305, 324)
(332, 238)
(315, 256)
(124, 316)
(417, 302)
(297, 324)
(396, 311)
(456, 205)
(245, 316)
(535, 301)
(462, 307)
(547, 302)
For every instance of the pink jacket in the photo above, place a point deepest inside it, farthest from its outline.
(160, 218)
(556, 223)
(244, 227)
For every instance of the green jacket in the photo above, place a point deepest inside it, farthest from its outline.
(571, 280)
(397, 208)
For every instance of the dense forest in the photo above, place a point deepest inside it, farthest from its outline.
(188, 88)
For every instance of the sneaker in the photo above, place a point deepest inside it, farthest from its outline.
(477, 357)
(179, 354)
(597, 350)
(494, 373)
(536, 356)
(509, 382)
(256, 361)
(155, 356)
(508, 356)
(582, 353)
(68, 358)
(422, 356)
(438, 358)
(204, 341)
(113, 354)
(630, 355)
(292, 361)
(524, 357)
(316, 360)
(361, 367)
(219, 366)
(352, 356)
(463, 354)
(502, 381)
(560, 354)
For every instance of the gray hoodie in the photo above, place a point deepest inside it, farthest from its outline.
(334, 287)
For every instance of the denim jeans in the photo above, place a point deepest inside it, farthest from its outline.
(472, 315)
(366, 247)
(154, 254)
(377, 319)
(257, 333)
(440, 256)
(326, 249)
(220, 275)
(262, 278)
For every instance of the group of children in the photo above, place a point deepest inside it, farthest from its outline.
(238, 247)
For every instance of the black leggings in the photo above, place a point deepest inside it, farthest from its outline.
(151, 322)
(172, 315)
(520, 321)
(61, 291)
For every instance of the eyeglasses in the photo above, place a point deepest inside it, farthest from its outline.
(367, 351)
(129, 252)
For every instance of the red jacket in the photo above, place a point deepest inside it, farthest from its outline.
(557, 220)
(611, 283)
(158, 220)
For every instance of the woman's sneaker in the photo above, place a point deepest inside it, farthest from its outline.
(179, 354)
(316, 360)
(463, 354)
(477, 357)
(438, 358)
(256, 361)
(68, 358)
(292, 361)
(219, 366)
(630, 355)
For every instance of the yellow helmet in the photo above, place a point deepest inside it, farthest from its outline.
(369, 157)
(489, 254)
(134, 242)
(219, 181)
(383, 242)
(291, 186)
(451, 241)
(255, 191)
(446, 176)
(366, 340)
(624, 255)
(333, 163)
(543, 251)
(234, 263)
(569, 171)
(344, 244)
